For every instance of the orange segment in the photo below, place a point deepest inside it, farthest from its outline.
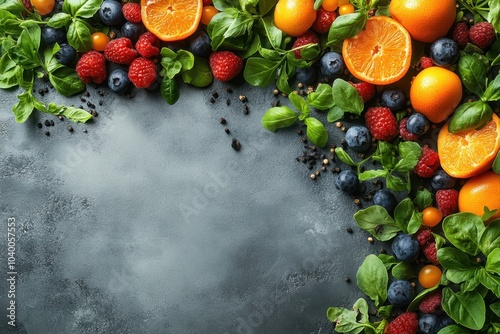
(171, 20)
(380, 54)
(469, 152)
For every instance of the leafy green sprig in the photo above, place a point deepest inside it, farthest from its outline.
(483, 10)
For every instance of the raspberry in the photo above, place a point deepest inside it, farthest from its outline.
(308, 38)
(148, 45)
(27, 5)
(225, 65)
(324, 20)
(142, 72)
(406, 323)
(426, 62)
(460, 34)
(382, 123)
(424, 237)
(430, 252)
(365, 89)
(404, 133)
(120, 51)
(447, 201)
(132, 12)
(482, 34)
(428, 163)
(91, 67)
(431, 303)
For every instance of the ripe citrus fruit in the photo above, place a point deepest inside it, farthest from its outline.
(481, 190)
(425, 20)
(470, 152)
(294, 17)
(381, 53)
(436, 92)
(171, 20)
(43, 7)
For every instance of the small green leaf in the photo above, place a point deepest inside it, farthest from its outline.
(473, 73)
(492, 92)
(463, 230)
(316, 131)
(403, 213)
(470, 115)
(334, 114)
(493, 261)
(345, 26)
(24, 107)
(321, 98)
(423, 199)
(79, 35)
(347, 97)
(452, 258)
(404, 271)
(260, 72)
(299, 103)
(170, 90)
(466, 308)
(372, 279)
(186, 59)
(66, 81)
(377, 221)
(200, 75)
(344, 156)
(418, 298)
(59, 20)
(490, 238)
(279, 117)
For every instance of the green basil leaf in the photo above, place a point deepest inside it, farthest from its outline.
(377, 221)
(24, 107)
(452, 258)
(334, 114)
(299, 103)
(494, 14)
(321, 98)
(170, 90)
(492, 92)
(240, 25)
(496, 164)
(418, 298)
(495, 307)
(59, 20)
(252, 48)
(372, 279)
(388, 260)
(82, 8)
(466, 308)
(186, 59)
(347, 97)
(345, 320)
(270, 54)
(266, 5)
(279, 117)
(493, 261)
(345, 26)
(226, 4)
(415, 222)
(173, 69)
(473, 73)
(167, 54)
(372, 174)
(396, 183)
(386, 155)
(403, 213)
(470, 115)
(260, 72)
(404, 271)
(423, 199)
(8, 72)
(25, 52)
(282, 82)
(409, 152)
(13, 6)
(76, 114)
(490, 238)
(66, 81)
(200, 74)
(490, 281)
(79, 35)
(273, 34)
(217, 27)
(454, 329)
(463, 230)
(10, 24)
(344, 156)
(51, 63)
(460, 275)
(316, 131)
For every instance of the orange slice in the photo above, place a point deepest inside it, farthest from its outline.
(380, 54)
(471, 152)
(171, 20)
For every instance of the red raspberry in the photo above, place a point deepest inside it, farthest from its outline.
(482, 34)
(406, 323)
(324, 20)
(404, 133)
(381, 123)
(120, 51)
(426, 62)
(460, 34)
(431, 303)
(132, 12)
(430, 252)
(308, 38)
(207, 2)
(428, 163)
(365, 89)
(142, 72)
(148, 45)
(91, 67)
(225, 65)
(447, 201)
(424, 236)
(27, 5)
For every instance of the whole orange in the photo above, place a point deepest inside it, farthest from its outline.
(436, 92)
(425, 20)
(294, 17)
(480, 191)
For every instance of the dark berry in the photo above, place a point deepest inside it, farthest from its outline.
(443, 320)
(441, 180)
(347, 181)
(427, 324)
(385, 198)
(52, 35)
(306, 75)
(400, 293)
(405, 247)
(132, 30)
(199, 44)
(332, 65)
(111, 13)
(118, 81)
(66, 54)
(393, 98)
(358, 138)
(444, 52)
(418, 124)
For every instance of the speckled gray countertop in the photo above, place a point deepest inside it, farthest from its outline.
(151, 223)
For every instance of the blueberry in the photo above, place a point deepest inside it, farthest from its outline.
(347, 181)
(307, 75)
(118, 81)
(332, 64)
(443, 320)
(393, 98)
(405, 247)
(385, 198)
(418, 124)
(177, 45)
(400, 293)
(52, 36)
(444, 52)
(358, 138)
(66, 54)
(441, 180)
(132, 30)
(111, 13)
(427, 324)
(199, 44)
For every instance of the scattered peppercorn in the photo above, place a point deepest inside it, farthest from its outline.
(235, 144)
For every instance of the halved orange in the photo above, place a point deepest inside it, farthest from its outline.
(171, 20)
(470, 152)
(381, 53)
